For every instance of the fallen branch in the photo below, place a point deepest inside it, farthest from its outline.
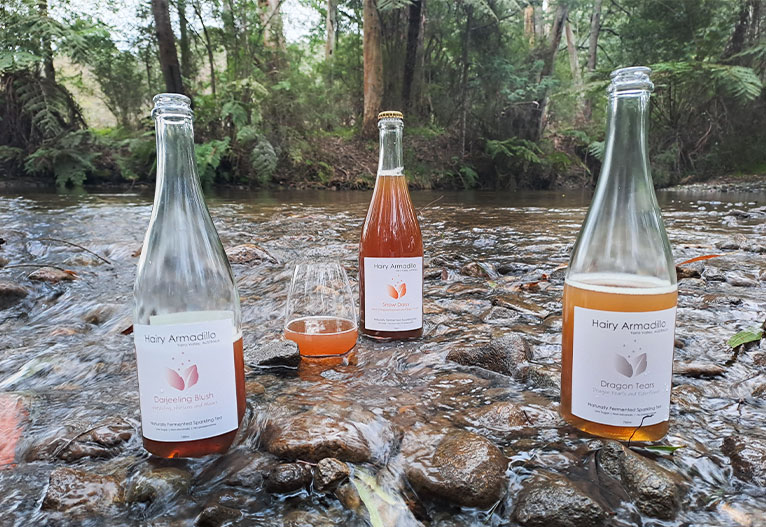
(38, 266)
(78, 246)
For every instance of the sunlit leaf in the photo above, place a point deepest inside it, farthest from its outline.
(743, 337)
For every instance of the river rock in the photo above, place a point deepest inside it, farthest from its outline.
(11, 294)
(329, 472)
(698, 369)
(738, 279)
(52, 275)
(515, 302)
(104, 440)
(500, 416)
(4, 261)
(748, 458)
(247, 253)
(508, 355)
(216, 515)
(158, 484)
(72, 490)
(288, 477)
(312, 436)
(274, 353)
(475, 269)
(465, 469)
(713, 274)
(551, 500)
(655, 491)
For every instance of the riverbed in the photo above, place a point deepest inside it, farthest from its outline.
(409, 425)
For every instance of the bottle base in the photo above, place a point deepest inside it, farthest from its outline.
(389, 336)
(619, 433)
(197, 448)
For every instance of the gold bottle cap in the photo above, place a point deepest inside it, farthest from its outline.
(390, 115)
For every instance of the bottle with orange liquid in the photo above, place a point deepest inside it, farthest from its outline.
(391, 248)
(187, 316)
(620, 292)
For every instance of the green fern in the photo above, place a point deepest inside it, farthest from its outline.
(69, 159)
(209, 156)
(263, 160)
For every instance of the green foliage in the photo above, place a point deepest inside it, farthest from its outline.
(68, 158)
(263, 160)
(745, 337)
(209, 156)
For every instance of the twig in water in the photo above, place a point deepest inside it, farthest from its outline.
(638, 428)
(78, 246)
(429, 204)
(38, 266)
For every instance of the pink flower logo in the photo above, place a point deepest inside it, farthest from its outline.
(181, 383)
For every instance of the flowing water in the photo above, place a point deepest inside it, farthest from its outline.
(66, 366)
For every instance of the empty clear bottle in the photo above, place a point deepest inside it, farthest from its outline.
(187, 315)
(620, 292)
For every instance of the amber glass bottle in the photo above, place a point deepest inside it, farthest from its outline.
(391, 248)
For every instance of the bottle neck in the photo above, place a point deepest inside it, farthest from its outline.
(627, 123)
(390, 161)
(176, 168)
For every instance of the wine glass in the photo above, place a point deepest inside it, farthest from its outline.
(320, 315)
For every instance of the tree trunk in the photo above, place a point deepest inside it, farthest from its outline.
(271, 18)
(331, 26)
(373, 68)
(739, 38)
(549, 61)
(414, 39)
(595, 28)
(47, 48)
(464, 79)
(186, 55)
(171, 71)
(208, 47)
(529, 25)
(574, 66)
(231, 40)
(539, 21)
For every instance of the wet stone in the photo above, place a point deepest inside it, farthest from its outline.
(500, 416)
(4, 261)
(516, 303)
(159, 484)
(760, 391)
(275, 353)
(288, 477)
(713, 274)
(102, 441)
(465, 469)
(73, 491)
(508, 355)
(247, 253)
(655, 491)
(311, 436)
(748, 458)
(216, 516)
(51, 274)
(11, 294)
(329, 472)
(475, 269)
(738, 279)
(698, 369)
(550, 500)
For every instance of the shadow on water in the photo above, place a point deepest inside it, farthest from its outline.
(68, 394)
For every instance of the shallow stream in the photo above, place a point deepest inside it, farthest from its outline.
(493, 267)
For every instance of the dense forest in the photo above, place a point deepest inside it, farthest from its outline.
(496, 93)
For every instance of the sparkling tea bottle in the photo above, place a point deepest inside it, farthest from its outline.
(391, 248)
(620, 292)
(187, 317)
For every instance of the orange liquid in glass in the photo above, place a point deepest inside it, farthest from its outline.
(391, 230)
(605, 301)
(212, 445)
(322, 336)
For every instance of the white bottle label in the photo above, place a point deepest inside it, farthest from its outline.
(622, 366)
(393, 293)
(187, 384)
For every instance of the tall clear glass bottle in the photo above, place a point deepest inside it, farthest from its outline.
(620, 292)
(391, 247)
(187, 329)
